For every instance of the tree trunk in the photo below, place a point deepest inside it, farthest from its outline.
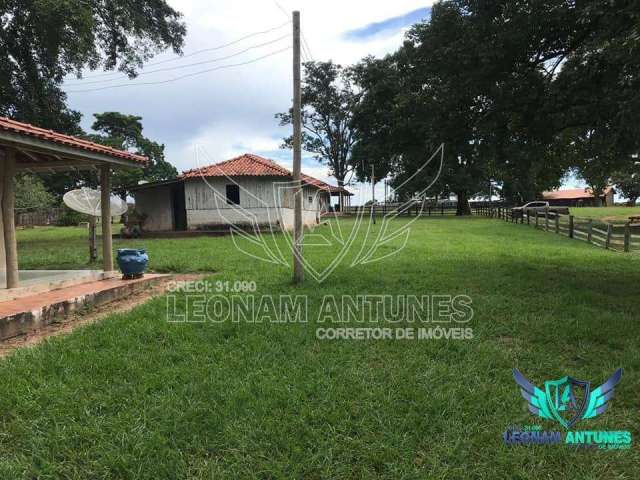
(463, 204)
(340, 182)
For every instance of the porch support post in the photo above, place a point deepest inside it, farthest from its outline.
(105, 207)
(8, 218)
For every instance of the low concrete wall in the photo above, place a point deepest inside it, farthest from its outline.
(25, 317)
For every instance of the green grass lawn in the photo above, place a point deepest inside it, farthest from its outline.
(609, 214)
(137, 397)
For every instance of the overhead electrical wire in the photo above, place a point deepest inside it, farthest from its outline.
(193, 74)
(192, 54)
(305, 45)
(305, 51)
(179, 67)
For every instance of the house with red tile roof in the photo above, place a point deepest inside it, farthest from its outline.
(245, 191)
(579, 197)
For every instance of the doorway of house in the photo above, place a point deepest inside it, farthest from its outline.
(179, 206)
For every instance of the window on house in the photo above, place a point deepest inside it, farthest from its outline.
(310, 199)
(233, 195)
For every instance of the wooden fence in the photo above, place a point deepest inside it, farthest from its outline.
(404, 209)
(623, 238)
(38, 217)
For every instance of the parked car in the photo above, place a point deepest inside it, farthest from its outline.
(538, 206)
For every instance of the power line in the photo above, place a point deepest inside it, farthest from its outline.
(306, 46)
(160, 82)
(286, 14)
(198, 52)
(178, 67)
(305, 50)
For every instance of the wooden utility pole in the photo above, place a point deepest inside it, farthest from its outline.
(298, 270)
(373, 194)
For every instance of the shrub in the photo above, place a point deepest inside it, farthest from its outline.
(71, 218)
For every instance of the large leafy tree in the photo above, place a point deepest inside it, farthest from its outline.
(31, 194)
(328, 101)
(376, 118)
(42, 41)
(421, 97)
(124, 132)
(628, 183)
(520, 93)
(597, 91)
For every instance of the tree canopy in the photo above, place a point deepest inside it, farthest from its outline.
(123, 132)
(520, 93)
(42, 41)
(328, 102)
(31, 194)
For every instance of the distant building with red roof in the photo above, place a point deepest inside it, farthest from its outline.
(578, 197)
(247, 190)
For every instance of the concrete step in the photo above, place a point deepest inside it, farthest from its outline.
(30, 313)
(36, 281)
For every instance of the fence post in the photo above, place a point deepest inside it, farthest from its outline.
(546, 219)
(627, 238)
(589, 230)
(570, 226)
(557, 223)
(537, 220)
(609, 233)
(528, 218)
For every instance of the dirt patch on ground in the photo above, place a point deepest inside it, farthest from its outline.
(93, 314)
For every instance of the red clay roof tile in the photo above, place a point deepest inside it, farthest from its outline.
(14, 126)
(244, 165)
(571, 193)
(252, 165)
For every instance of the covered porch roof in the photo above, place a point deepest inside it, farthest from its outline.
(41, 150)
(28, 148)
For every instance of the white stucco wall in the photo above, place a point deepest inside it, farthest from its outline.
(261, 201)
(155, 203)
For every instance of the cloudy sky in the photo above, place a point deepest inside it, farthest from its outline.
(230, 111)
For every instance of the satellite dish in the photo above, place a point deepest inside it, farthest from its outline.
(87, 200)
